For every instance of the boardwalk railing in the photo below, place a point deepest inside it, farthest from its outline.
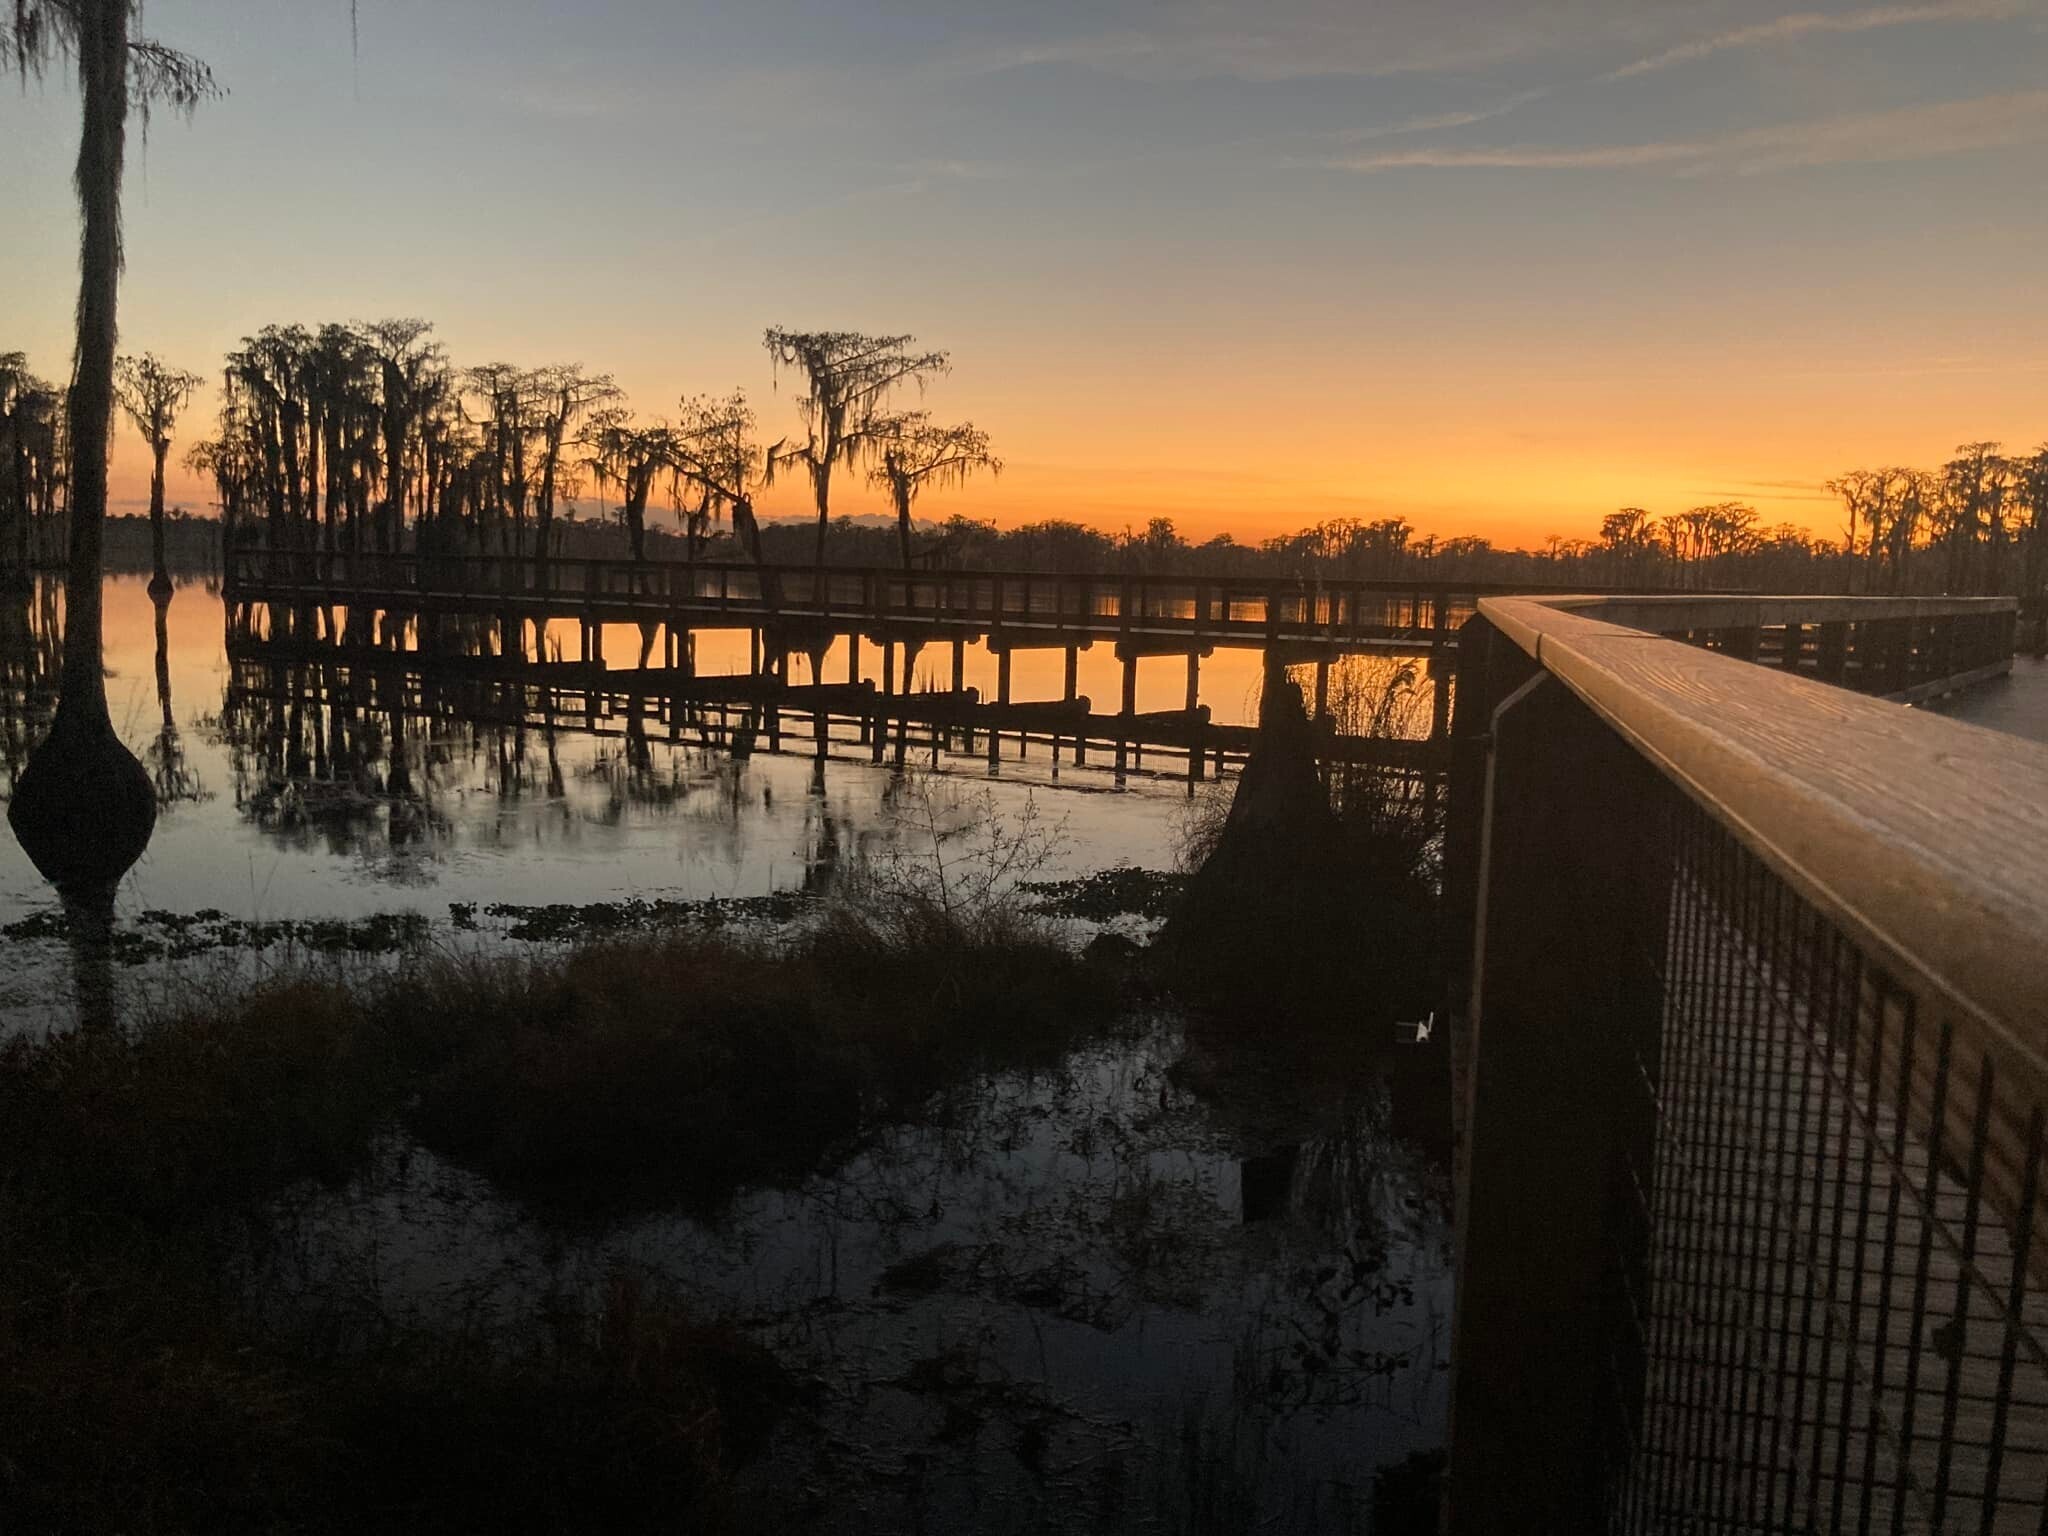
(1754, 1075)
(1010, 607)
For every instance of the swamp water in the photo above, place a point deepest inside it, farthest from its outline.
(1147, 1289)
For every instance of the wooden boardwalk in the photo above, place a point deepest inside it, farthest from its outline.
(1007, 609)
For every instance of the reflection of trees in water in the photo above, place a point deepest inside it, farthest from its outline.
(339, 746)
(1031, 1277)
(324, 768)
(176, 781)
(31, 658)
(954, 1258)
(362, 761)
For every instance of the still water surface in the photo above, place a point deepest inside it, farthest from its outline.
(1159, 1287)
(498, 814)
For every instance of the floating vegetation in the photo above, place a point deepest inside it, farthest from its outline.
(562, 921)
(1120, 891)
(160, 935)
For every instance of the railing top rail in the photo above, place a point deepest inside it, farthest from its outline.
(1670, 611)
(1108, 581)
(1924, 839)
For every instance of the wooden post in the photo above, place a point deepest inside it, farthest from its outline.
(1833, 652)
(754, 653)
(960, 687)
(1071, 691)
(1898, 654)
(1442, 669)
(853, 657)
(888, 668)
(1795, 642)
(1124, 722)
(995, 728)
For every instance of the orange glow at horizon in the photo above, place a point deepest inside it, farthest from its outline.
(1509, 474)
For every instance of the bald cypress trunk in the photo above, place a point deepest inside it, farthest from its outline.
(160, 573)
(84, 807)
(103, 69)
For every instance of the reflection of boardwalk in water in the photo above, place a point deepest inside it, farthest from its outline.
(747, 712)
(1830, 1269)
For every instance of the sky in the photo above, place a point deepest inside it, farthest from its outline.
(1494, 266)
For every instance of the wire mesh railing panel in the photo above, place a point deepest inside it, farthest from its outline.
(1841, 1310)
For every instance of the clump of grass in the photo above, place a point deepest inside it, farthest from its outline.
(668, 1068)
(680, 1066)
(628, 1416)
(212, 1106)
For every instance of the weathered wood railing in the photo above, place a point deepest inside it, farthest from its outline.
(1754, 1071)
(1009, 607)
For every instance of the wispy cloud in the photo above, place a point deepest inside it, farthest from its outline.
(1440, 122)
(1907, 133)
(1802, 24)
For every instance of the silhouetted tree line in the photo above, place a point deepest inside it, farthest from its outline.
(365, 437)
(34, 456)
(1973, 526)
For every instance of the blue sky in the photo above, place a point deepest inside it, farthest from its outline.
(1492, 266)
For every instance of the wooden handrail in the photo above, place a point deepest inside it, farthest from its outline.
(1257, 586)
(1925, 840)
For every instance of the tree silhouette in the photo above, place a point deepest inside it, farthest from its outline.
(914, 453)
(567, 394)
(153, 393)
(84, 807)
(2030, 503)
(714, 453)
(1969, 506)
(631, 456)
(850, 377)
(31, 463)
(414, 379)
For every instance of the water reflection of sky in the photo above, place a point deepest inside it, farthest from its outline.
(496, 820)
(1081, 1298)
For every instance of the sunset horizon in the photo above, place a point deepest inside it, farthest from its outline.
(1659, 256)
